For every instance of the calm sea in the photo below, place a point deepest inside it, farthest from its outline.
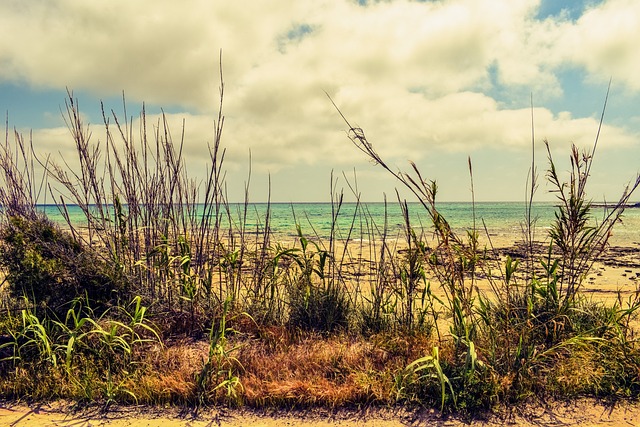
(502, 219)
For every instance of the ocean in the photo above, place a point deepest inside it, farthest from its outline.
(501, 219)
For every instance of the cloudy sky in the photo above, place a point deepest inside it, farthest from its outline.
(431, 81)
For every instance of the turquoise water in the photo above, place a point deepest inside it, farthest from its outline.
(501, 219)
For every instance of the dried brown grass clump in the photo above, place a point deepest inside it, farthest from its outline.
(331, 371)
(280, 369)
(170, 376)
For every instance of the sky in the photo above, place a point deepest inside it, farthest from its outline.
(434, 82)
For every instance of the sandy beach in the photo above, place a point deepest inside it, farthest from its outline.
(613, 277)
(584, 412)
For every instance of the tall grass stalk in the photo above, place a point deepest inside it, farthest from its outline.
(519, 330)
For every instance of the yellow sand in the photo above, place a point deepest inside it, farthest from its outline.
(584, 412)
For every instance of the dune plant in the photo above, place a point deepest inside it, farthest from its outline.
(95, 355)
(265, 292)
(414, 290)
(427, 367)
(546, 319)
(579, 239)
(38, 259)
(32, 340)
(454, 258)
(148, 229)
(49, 267)
(532, 330)
(516, 331)
(143, 202)
(219, 370)
(316, 301)
(378, 301)
(264, 296)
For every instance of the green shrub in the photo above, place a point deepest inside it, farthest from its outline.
(319, 308)
(48, 266)
(316, 302)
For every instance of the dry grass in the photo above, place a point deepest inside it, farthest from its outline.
(280, 369)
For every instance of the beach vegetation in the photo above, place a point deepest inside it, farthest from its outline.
(161, 294)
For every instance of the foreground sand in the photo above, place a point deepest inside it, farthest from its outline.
(584, 412)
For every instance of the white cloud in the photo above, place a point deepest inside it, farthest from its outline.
(167, 52)
(419, 77)
(605, 41)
